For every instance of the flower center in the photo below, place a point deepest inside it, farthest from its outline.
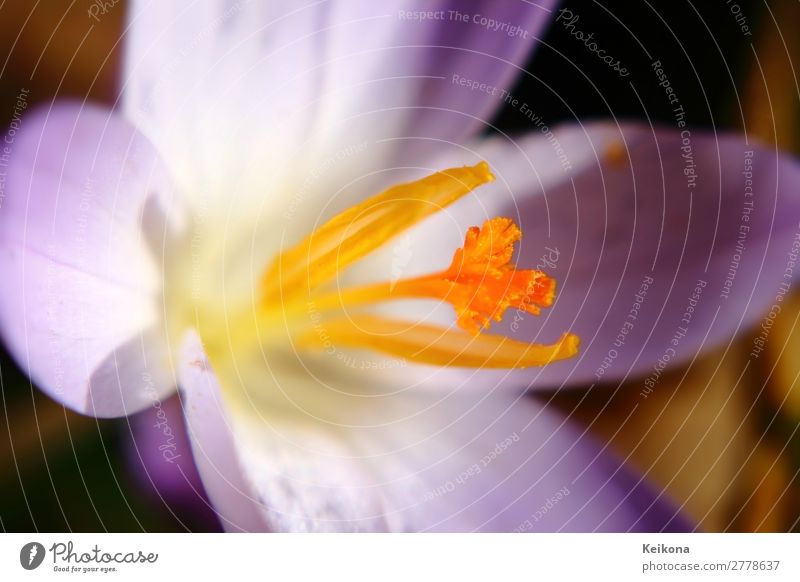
(480, 283)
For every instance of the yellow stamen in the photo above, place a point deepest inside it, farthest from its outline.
(363, 228)
(481, 282)
(429, 344)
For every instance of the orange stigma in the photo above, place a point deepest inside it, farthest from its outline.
(482, 282)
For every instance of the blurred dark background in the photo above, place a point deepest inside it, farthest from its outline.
(65, 472)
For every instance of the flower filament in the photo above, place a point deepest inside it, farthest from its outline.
(480, 283)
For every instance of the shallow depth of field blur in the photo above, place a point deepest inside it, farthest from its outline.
(720, 436)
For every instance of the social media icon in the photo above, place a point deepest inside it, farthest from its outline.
(31, 555)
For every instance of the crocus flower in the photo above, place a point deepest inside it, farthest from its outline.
(290, 216)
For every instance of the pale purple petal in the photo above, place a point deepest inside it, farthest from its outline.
(428, 71)
(650, 268)
(79, 310)
(406, 461)
(678, 250)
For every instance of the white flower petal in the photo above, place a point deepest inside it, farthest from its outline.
(241, 96)
(208, 425)
(349, 454)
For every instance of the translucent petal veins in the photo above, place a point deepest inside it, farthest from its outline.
(481, 282)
